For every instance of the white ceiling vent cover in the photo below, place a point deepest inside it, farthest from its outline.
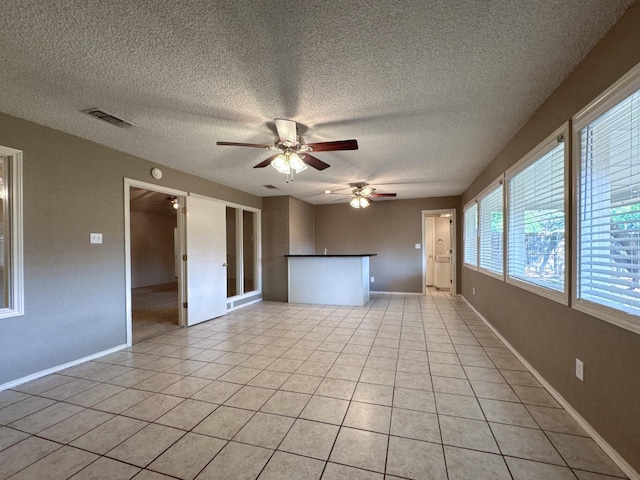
(108, 117)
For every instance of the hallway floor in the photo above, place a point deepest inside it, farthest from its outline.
(407, 387)
(154, 311)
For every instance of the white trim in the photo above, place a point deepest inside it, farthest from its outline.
(612, 96)
(607, 314)
(470, 265)
(16, 253)
(427, 243)
(231, 309)
(593, 433)
(64, 366)
(257, 230)
(625, 86)
(471, 202)
(394, 293)
(128, 183)
(541, 149)
(239, 251)
(228, 204)
(500, 181)
(453, 247)
(549, 293)
(544, 147)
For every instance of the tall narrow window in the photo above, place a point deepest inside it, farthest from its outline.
(471, 236)
(243, 240)
(491, 231)
(232, 253)
(249, 250)
(11, 265)
(609, 209)
(537, 219)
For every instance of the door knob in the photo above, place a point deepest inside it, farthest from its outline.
(225, 264)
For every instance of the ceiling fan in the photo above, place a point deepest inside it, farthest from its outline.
(362, 194)
(172, 199)
(293, 153)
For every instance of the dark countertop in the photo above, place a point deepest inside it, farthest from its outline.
(335, 255)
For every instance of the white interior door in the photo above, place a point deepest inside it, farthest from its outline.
(429, 250)
(206, 260)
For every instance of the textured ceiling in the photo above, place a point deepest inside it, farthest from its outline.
(432, 90)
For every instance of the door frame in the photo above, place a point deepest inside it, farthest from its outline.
(454, 254)
(179, 194)
(429, 245)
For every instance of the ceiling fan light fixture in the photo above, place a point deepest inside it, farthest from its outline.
(359, 202)
(296, 163)
(281, 164)
(288, 162)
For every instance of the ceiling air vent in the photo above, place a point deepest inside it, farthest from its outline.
(270, 187)
(108, 117)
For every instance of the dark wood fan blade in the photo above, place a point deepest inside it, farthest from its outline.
(314, 162)
(334, 146)
(383, 195)
(236, 144)
(267, 161)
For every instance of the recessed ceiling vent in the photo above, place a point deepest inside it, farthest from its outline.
(108, 117)
(270, 187)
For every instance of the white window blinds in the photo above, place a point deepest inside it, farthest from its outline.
(609, 209)
(491, 231)
(471, 235)
(536, 222)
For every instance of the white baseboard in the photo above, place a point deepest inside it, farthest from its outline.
(593, 433)
(257, 300)
(394, 293)
(49, 371)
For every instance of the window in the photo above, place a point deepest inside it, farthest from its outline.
(608, 203)
(232, 257)
(11, 265)
(249, 223)
(471, 235)
(536, 201)
(242, 251)
(491, 230)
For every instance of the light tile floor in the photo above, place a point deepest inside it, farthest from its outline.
(407, 387)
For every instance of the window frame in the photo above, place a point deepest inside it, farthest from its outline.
(16, 250)
(257, 251)
(607, 100)
(467, 264)
(544, 147)
(486, 192)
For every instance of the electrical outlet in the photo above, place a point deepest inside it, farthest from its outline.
(417, 246)
(473, 290)
(95, 238)
(580, 369)
(373, 279)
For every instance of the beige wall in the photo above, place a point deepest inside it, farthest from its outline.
(301, 227)
(275, 244)
(152, 250)
(388, 228)
(549, 335)
(287, 228)
(74, 292)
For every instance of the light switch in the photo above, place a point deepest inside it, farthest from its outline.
(417, 246)
(95, 237)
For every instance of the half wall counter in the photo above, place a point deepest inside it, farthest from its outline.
(329, 279)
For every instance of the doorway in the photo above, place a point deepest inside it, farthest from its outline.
(439, 255)
(155, 248)
(199, 245)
